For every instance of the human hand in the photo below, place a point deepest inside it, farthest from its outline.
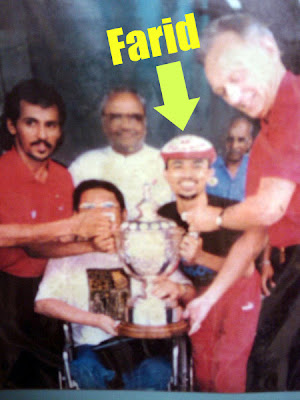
(92, 223)
(164, 288)
(266, 277)
(108, 324)
(202, 219)
(196, 311)
(189, 247)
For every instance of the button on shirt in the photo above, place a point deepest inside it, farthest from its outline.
(129, 173)
(229, 187)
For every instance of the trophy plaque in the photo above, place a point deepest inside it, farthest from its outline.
(148, 246)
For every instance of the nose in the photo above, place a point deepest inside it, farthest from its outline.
(126, 122)
(233, 94)
(187, 172)
(42, 132)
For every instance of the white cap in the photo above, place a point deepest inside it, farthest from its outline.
(188, 146)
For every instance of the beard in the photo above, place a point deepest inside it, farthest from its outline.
(188, 197)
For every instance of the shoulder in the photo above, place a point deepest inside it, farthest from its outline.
(90, 156)
(169, 211)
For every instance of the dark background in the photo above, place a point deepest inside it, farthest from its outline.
(64, 42)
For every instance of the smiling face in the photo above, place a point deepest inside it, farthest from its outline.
(188, 177)
(124, 122)
(36, 131)
(245, 73)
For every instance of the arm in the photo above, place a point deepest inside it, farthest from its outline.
(59, 309)
(264, 208)
(267, 271)
(165, 288)
(249, 245)
(56, 250)
(85, 225)
(191, 250)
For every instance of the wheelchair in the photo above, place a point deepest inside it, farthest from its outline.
(182, 368)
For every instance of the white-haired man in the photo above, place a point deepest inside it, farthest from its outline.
(243, 65)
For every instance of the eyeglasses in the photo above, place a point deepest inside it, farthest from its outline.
(116, 118)
(104, 205)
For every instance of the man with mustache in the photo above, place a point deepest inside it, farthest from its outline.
(128, 162)
(35, 208)
(231, 169)
(243, 65)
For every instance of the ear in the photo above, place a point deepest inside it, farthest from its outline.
(11, 127)
(124, 215)
(270, 46)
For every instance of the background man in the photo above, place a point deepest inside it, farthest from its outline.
(243, 65)
(222, 345)
(231, 169)
(35, 203)
(128, 162)
(68, 292)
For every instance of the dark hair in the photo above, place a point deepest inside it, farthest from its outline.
(121, 89)
(244, 25)
(35, 92)
(97, 184)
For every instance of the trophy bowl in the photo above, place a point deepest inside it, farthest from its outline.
(150, 249)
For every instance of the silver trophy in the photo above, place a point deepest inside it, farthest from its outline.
(149, 247)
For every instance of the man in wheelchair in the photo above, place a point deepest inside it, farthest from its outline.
(90, 292)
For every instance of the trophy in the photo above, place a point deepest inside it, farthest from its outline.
(148, 246)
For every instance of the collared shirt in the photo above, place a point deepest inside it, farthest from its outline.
(276, 153)
(228, 186)
(24, 200)
(129, 173)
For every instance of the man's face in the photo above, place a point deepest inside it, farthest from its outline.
(188, 177)
(37, 131)
(238, 141)
(243, 72)
(104, 200)
(124, 123)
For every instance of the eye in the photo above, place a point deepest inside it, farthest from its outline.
(52, 124)
(30, 121)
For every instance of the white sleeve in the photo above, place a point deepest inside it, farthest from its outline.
(54, 282)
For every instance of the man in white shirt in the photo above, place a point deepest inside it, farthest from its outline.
(79, 288)
(127, 162)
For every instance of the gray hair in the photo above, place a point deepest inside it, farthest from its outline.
(117, 90)
(244, 25)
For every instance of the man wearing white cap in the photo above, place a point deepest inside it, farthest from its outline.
(222, 345)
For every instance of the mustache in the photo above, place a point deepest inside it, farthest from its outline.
(47, 144)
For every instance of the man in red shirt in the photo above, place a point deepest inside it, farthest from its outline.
(243, 65)
(35, 208)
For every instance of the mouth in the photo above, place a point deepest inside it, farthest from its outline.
(188, 184)
(42, 146)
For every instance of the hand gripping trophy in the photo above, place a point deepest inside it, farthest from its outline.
(148, 246)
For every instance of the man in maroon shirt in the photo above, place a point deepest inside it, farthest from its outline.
(35, 208)
(243, 65)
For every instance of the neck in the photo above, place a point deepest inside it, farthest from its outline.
(233, 167)
(38, 168)
(186, 205)
(281, 70)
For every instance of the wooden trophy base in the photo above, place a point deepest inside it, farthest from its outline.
(152, 332)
